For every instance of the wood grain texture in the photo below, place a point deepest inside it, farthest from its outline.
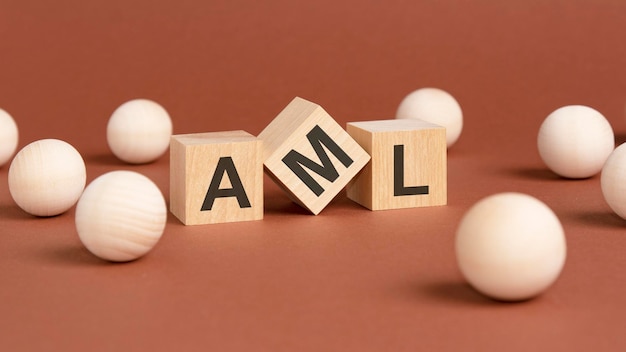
(424, 163)
(194, 159)
(288, 133)
(47, 177)
(121, 216)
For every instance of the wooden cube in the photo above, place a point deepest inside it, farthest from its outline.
(309, 155)
(216, 177)
(408, 167)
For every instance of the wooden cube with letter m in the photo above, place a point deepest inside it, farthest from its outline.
(309, 155)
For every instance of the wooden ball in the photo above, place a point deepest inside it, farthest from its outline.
(139, 131)
(510, 246)
(613, 181)
(8, 137)
(574, 141)
(435, 106)
(121, 216)
(47, 177)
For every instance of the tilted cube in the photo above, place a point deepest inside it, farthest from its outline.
(408, 167)
(216, 177)
(309, 155)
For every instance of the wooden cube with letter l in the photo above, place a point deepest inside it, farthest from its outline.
(216, 177)
(309, 155)
(408, 167)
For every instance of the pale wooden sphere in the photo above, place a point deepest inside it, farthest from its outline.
(510, 246)
(435, 106)
(47, 177)
(574, 141)
(613, 181)
(8, 137)
(139, 131)
(121, 216)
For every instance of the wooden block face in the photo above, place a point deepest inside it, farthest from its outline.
(216, 177)
(408, 167)
(309, 155)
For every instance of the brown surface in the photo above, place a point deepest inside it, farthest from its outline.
(348, 279)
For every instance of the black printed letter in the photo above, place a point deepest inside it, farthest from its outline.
(398, 175)
(295, 161)
(225, 165)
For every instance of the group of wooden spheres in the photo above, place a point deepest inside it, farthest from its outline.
(509, 246)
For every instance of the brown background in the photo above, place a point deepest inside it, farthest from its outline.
(348, 279)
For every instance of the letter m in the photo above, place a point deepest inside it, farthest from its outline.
(296, 162)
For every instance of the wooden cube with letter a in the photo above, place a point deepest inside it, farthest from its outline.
(309, 155)
(408, 167)
(216, 177)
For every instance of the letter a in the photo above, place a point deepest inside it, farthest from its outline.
(225, 165)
